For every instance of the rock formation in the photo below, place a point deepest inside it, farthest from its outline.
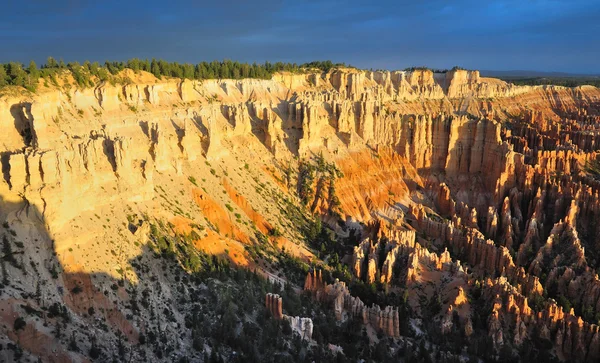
(459, 185)
(302, 326)
(345, 305)
(274, 305)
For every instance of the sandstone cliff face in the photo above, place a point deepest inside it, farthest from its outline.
(467, 178)
(462, 83)
(350, 114)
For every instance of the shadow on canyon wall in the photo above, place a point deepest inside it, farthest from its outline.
(53, 313)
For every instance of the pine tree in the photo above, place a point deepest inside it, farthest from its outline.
(51, 63)
(16, 74)
(188, 71)
(73, 343)
(3, 76)
(133, 64)
(245, 70)
(38, 292)
(33, 75)
(7, 251)
(155, 68)
(224, 71)
(33, 70)
(94, 350)
(58, 330)
(5, 280)
(94, 69)
(146, 65)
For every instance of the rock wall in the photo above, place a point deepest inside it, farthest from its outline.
(57, 137)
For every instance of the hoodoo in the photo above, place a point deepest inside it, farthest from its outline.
(148, 218)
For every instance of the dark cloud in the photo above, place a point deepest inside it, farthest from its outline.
(493, 34)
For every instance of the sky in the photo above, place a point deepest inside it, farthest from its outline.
(554, 35)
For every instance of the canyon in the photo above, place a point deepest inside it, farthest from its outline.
(464, 204)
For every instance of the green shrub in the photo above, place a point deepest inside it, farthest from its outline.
(19, 324)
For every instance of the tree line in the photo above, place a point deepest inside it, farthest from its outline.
(434, 70)
(17, 74)
(555, 81)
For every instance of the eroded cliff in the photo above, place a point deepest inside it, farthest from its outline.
(457, 188)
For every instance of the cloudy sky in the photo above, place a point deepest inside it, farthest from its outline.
(553, 35)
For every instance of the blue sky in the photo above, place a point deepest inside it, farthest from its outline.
(553, 35)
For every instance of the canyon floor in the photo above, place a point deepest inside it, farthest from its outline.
(344, 215)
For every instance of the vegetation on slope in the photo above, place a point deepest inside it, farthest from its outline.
(593, 169)
(16, 74)
(434, 70)
(556, 81)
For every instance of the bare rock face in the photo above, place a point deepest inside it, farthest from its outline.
(302, 326)
(461, 83)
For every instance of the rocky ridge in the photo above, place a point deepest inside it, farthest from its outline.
(343, 303)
